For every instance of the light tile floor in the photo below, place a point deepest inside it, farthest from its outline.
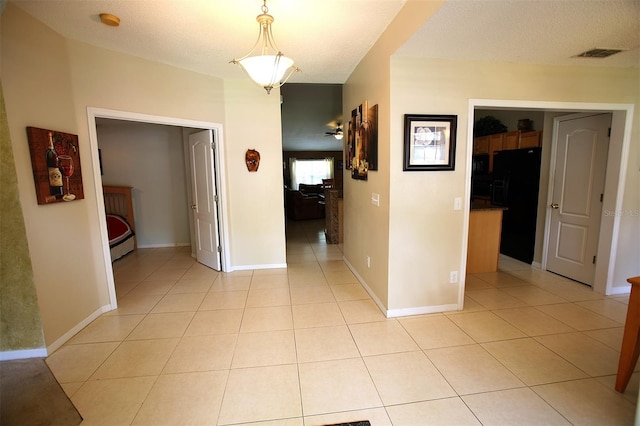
(306, 345)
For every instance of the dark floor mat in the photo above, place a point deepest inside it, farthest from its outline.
(30, 395)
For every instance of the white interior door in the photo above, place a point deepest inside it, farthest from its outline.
(576, 203)
(205, 211)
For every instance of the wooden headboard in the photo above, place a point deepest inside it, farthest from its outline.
(117, 200)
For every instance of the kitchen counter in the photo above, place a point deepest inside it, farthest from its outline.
(485, 227)
(484, 206)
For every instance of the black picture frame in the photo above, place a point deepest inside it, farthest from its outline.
(429, 142)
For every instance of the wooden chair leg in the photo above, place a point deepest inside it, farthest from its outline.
(630, 339)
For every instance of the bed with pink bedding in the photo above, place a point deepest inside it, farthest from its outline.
(120, 221)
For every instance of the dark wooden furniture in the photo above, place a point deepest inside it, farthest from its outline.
(631, 338)
(333, 216)
(304, 203)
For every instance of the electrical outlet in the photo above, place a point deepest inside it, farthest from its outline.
(453, 277)
(368, 262)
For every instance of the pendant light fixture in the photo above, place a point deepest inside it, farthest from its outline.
(268, 66)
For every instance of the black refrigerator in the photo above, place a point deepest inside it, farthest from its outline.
(515, 183)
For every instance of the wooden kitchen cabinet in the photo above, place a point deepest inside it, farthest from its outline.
(495, 144)
(505, 141)
(483, 248)
(481, 145)
(511, 140)
(531, 139)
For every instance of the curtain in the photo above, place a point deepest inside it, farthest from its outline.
(292, 171)
(310, 171)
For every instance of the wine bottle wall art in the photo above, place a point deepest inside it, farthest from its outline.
(55, 159)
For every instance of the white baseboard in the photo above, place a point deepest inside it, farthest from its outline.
(23, 354)
(44, 352)
(367, 288)
(404, 312)
(249, 267)
(163, 245)
(422, 310)
(75, 330)
(619, 290)
(536, 265)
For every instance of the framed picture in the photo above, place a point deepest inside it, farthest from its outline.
(55, 160)
(429, 142)
(362, 141)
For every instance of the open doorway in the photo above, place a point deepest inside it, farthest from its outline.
(187, 126)
(616, 166)
(149, 158)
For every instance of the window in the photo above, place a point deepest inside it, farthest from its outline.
(310, 171)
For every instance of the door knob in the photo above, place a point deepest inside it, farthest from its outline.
(555, 205)
(193, 207)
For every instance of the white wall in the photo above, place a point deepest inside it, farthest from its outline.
(425, 220)
(50, 82)
(149, 158)
(256, 199)
(61, 244)
(367, 228)
(419, 237)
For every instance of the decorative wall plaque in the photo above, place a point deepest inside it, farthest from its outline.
(252, 158)
(55, 159)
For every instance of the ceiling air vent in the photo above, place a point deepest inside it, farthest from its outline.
(599, 53)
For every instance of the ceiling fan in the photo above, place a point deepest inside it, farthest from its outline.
(337, 133)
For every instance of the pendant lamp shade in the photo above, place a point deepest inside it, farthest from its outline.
(266, 70)
(268, 67)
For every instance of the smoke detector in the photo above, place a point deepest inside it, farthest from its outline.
(109, 19)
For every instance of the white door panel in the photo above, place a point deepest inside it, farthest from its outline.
(205, 214)
(572, 240)
(576, 206)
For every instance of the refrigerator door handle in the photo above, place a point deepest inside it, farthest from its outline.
(555, 206)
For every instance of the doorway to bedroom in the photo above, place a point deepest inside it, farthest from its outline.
(148, 154)
(148, 158)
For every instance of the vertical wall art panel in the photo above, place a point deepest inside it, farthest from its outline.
(55, 159)
(362, 141)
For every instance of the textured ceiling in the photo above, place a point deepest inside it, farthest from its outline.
(531, 31)
(328, 38)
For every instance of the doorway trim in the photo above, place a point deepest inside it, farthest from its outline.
(617, 163)
(92, 114)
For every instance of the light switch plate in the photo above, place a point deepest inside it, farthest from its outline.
(375, 199)
(457, 203)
